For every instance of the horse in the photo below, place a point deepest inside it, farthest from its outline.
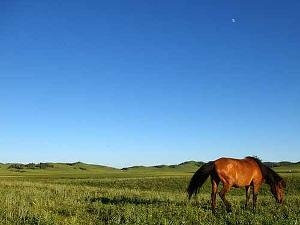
(247, 172)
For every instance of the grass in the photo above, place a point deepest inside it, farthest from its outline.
(89, 194)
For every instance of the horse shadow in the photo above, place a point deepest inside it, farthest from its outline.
(123, 200)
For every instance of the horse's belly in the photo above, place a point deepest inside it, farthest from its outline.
(240, 185)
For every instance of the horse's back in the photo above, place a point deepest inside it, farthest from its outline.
(238, 172)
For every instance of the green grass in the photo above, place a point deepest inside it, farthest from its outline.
(90, 194)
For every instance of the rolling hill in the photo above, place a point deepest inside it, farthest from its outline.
(90, 169)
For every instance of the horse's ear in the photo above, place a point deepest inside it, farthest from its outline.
(282, 183)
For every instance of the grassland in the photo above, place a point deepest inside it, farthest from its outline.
(89, 194)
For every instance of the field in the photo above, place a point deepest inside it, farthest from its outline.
(86, 194)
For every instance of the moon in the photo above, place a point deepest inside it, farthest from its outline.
(233, 20)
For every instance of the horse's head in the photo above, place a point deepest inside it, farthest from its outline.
(278, 190)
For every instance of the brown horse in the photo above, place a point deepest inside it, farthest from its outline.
(248, 172)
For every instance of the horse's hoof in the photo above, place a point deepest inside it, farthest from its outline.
(229, 210)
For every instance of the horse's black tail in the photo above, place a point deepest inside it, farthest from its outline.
(199, 178)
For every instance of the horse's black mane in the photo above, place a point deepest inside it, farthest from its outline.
(270, 176)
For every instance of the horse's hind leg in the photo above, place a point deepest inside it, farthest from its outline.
(222, 193)
(214, 189)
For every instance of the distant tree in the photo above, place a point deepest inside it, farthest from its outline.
(45, 165)
(20, 166)
(30, 166)
(17, 166)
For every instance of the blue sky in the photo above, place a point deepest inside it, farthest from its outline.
(125, 83)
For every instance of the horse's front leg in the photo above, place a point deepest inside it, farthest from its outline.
(247, 195)
(255, 193)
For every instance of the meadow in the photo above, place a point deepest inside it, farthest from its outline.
(89, 194)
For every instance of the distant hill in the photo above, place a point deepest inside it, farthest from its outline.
(79, 167)
(185, 166)
(282, 163)
(55, 167)
(192, 166)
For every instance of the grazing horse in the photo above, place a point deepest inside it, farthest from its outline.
(247, 172)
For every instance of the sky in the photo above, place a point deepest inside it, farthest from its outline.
(124, 83)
